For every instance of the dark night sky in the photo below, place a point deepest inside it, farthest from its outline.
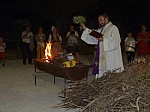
(127, 14)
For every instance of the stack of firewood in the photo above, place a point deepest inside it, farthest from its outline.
(128, 91)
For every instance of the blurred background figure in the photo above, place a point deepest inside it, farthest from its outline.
(143, 38)
(130, 47)
(40, 39)
(56, 41)
(73, 42)
(27, 44)
(2, 50)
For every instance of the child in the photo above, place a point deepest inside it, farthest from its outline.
(72, 44)
(2, 50)
(130, 47)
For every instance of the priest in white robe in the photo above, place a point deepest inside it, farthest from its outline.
(109, 50)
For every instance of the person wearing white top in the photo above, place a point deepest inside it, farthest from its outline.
(109, 56)
(56, 41)
(73, 42)
(130, 47)
(27, 40)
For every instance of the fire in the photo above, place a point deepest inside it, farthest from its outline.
(48, 54)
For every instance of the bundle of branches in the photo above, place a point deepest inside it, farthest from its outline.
(128, 91)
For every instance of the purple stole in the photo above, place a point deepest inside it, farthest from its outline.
(96, 59)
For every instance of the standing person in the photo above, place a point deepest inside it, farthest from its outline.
(72, 42)
(143, 46)
(27, 44)
(108, 52)
(2, 50)
(40, 38)
(130, 47)
(56, 41)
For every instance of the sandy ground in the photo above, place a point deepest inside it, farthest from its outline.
(19, 94)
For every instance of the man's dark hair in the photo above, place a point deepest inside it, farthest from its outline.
(106, 16)
(130, 31)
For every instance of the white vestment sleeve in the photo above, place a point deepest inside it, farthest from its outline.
(112, 42)
(88, 38)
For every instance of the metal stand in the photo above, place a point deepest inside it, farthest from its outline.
(35, 80)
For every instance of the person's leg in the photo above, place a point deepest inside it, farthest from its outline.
(38, 51)
(2, 57)
(4, 61)
(42, 52)
(24, 50)
(128, 56)
(132, 55)
(29, 54)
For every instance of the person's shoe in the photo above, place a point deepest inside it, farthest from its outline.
(3, 64)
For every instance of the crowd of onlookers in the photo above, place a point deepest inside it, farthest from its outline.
(139, 45)
(33, 45)
(37, 43)
(29, 40)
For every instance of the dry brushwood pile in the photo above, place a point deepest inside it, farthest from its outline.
(128, 91)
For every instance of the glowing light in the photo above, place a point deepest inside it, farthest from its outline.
(48, 54)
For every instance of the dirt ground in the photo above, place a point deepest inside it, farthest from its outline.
(19, 94)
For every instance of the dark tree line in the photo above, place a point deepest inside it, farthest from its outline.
(17, 13)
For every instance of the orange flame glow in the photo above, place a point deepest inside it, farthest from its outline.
(48, 54)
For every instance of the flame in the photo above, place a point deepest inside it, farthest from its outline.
(48, 54)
